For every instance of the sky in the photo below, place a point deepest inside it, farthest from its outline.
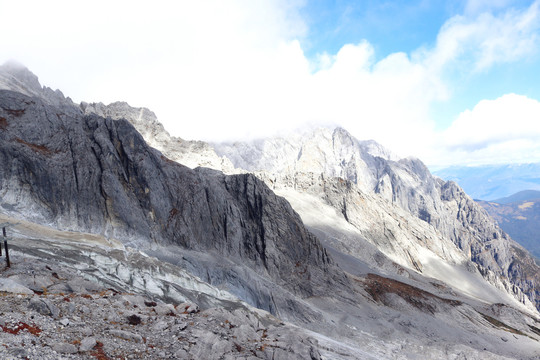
(450, 82)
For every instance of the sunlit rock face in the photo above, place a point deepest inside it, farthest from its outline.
(393, 263)
(395, 203)
(96, 174)
(189, 153)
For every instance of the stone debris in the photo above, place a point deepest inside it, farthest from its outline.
(89, 321)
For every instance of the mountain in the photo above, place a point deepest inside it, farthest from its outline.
(424, 212)
(492, 182)
(524, 195)
(356, 253)
(519, 216)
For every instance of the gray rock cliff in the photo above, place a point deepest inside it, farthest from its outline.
(374, 174)
(85, 172)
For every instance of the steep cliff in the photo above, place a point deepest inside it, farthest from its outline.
(374, 174)
(368, 286)
(85, 172)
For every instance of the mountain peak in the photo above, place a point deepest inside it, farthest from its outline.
(16, 77)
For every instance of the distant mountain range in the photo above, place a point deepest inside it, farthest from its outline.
(492, 182)
(519, 216)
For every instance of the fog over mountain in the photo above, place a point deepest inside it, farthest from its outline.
(351, 251)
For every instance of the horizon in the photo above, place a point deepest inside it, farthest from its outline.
(451, 83)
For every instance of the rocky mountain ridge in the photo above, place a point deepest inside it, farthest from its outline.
(519, 218)
(98, 178)
(407, 183)
(491, 182)
(76, 170)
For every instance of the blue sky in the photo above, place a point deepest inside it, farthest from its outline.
(391, 26)
(450, 82)
(405, 26)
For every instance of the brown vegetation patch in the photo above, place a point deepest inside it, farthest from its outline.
(37, 148)
(498, 324)
(172, 215)
(3, 123)
(32, 329)
(378, 286)
(134, 320)
(98, 352)
(16, 113)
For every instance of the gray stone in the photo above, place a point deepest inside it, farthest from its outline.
(245, 333)
(64, 348)
(126, 335)
(11, 286)
(44, 307)
(87, 344)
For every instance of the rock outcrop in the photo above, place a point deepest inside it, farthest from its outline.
(85, 172)
(67, 316)
(448, 213)
(382, 281)
(189, 153)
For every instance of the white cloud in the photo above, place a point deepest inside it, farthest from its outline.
(216, 70)
(508, 118)
(486, 39)
(503, 130)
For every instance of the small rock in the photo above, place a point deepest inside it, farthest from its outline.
(181, 326)
(86, 331)
(76, 287)
(64, 348)
(134, 320)
(188, 307)
(159, 326)
(71, 308)
(87, 344)
(64, 322)
(181, 354)
(18, 352)
(44, 307)
(245, 333)
(126, 335)
(11, 286)
(164, 309)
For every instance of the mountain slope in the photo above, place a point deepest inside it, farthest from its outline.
(524, 195)
(77, 170)
(450, 215)
(492, 182)
(102, 177)
(520, 218)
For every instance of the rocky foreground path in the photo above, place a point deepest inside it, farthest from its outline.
(48, 311)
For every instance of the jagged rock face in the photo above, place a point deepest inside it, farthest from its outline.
(333, 153)
(16, 77)
(477, 234)
(84, 172)
(189, 153)
(407, 183)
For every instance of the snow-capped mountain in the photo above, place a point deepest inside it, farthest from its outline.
(378, 259)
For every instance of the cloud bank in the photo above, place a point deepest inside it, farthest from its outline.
(214, 70)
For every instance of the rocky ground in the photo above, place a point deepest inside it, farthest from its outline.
(47, 311)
